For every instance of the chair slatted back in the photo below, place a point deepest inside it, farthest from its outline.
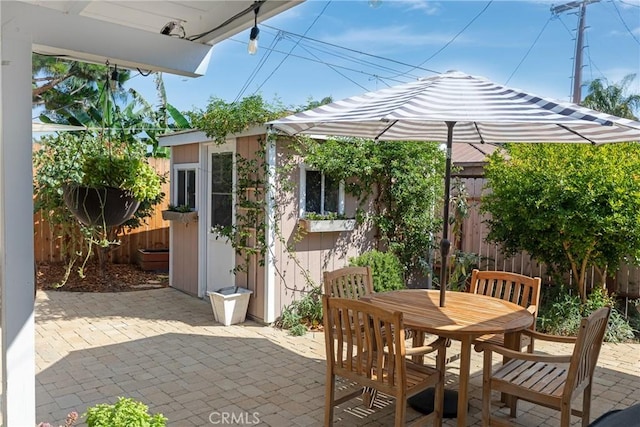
(586, 351)
(348, 282)
(362, 346)
(512, 287)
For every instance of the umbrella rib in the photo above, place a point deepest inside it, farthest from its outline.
(478, 149)
(576, 133)
(475, 124)
(385, 129)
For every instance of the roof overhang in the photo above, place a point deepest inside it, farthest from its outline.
(196, 136)
(127, 33)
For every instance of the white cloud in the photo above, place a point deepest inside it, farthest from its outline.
(427, 7)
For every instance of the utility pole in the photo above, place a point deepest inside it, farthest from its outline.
(577, 67)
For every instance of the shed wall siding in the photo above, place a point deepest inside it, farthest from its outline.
(188, 153)
(184, 245)
(254, 277)
(184, 257)
(313, 252)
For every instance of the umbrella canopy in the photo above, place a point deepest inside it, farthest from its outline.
(457, 107)
(482, 110)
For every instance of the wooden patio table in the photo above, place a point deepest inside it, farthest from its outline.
(464, 318)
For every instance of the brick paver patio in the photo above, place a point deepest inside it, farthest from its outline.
(164, 348)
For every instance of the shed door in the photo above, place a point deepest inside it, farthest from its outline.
(220, 253)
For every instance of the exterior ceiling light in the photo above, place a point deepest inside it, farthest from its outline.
(255, 33)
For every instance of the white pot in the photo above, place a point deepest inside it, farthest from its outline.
(230, 304)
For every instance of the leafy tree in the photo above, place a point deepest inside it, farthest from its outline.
(60, 83)
(123, 115)
(613, 98)
(571, 206)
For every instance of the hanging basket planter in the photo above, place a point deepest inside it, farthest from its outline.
(107, 206)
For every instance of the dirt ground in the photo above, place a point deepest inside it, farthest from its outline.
(118, 278)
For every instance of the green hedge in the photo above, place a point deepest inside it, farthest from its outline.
(385, 268)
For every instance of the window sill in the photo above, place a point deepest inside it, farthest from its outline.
(183, 217)
(327, 225)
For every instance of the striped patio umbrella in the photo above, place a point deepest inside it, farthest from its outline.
(456, 107)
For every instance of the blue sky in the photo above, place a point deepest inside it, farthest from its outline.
(499, 44)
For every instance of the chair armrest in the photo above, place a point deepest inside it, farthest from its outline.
(438, 344)
(545, 358)
(547, 337)
(532, 309)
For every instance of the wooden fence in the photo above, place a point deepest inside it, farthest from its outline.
(152, 235)
(626, 283)
(155, 235)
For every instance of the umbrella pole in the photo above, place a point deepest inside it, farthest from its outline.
(445, 244)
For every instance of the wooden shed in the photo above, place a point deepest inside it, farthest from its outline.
(204, 176)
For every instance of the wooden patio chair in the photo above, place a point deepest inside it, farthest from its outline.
(348, 282)
(547, 380)
(354, 283)
(512, 287)
(365, 344)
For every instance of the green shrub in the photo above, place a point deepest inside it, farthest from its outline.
(385, 268)
(126, 412)
(561, 312)
(302, 314)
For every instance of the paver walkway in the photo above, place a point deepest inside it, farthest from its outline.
(164, 348)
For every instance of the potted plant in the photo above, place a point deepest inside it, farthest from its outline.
(182, 213)
(113, 183)
(108, 182)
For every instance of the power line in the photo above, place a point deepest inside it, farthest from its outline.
(359, 52)
(294, 46)
(529, 50)
(623, 22)
(591, 61)
(454, 37)
(359, 61)
(629, 4)
(336, 70)
(318, 61)
(258, 67)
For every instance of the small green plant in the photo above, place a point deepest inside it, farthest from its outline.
(561, 312)
(298, 330)
(460, 268)
(181, 208)
(126, 412)
(127, 170)
(385, 269)
(325, 216)
(303, 314)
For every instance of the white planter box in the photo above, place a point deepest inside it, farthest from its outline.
(230, 304)
(327, 225)
(183, 217)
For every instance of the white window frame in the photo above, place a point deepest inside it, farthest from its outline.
(303, 193)
(174, 179)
